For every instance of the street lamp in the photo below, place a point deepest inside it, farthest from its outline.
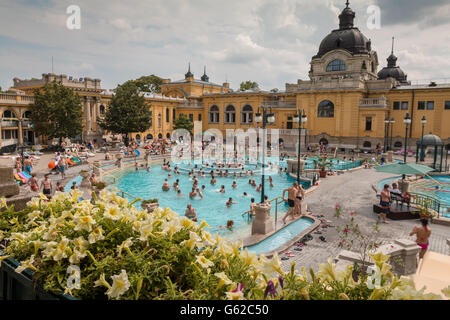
(386, 132)
(392, 127)
(300, 117)
(264, 117)
(424, 122)
(407, 122)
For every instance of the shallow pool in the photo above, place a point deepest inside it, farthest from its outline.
(211, 208)
(281, 237)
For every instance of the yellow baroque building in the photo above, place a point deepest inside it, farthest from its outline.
(346, 99)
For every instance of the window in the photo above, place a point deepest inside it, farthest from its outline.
(149, 136)
(325, 109)
(447, 105)
(160, 136)
(430, 105)
(398, 144)
(367, 144)
(230, 114)
(167, 115)
(102, 109)
(336, 65)
(8, 114)
(173, 114)
(27, 115)
(168, 135)
(191, 117)
(247, 114)
(199, 117)
(421, 105)
(396, 105)
(10, 134)
(368, 123)
(159, 120)
(404, 105)
(214, 114)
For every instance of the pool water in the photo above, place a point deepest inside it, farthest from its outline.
(281, 237)
(212, 208)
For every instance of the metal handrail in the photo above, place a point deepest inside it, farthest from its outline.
(123, 193)
(435, 203)
(276, 209)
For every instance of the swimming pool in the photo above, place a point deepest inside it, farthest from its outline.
(428, 188)
(212, 208)
(276, 240)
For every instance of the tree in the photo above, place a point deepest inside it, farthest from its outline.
(57, 112)
(248, 85)
(182, 122)
(127, 111)
(150, 83)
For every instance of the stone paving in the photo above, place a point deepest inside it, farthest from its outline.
(354, 193)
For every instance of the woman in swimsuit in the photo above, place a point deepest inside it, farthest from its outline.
(34, 186)
(422, 233)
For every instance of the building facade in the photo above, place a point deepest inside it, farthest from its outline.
(346, 100)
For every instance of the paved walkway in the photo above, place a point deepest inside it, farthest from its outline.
(354, 193)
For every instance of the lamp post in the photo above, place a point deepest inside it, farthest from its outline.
(300, 117)
(424, 122)
(392, 127)
(265, 117)
(407, 122)
(386, 132)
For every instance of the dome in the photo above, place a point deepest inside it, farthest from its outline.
(392, 70)
(347, 37)
(430, 140)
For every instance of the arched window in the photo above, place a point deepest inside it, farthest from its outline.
(138, 137)
(323, 141)
(26, 115)
(168, 136)
(230, 114)
(214, 114)
(336, 65)
(173, 114)
(367, 144)
(149, 136)
(167, 115)
(160, 136)
(102, 109)
(159, 120)
(8, 114)
(398, 144)
(326, 109)
(247, 114)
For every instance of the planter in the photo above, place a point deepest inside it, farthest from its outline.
(20, 286)
(323, 173)
(150, 207)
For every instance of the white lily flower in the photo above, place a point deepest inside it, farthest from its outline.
(120, 285)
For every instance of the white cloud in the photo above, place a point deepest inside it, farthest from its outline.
(267, 41)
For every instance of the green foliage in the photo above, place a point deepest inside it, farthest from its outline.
(126, 253)
(182, 122)
(127, 111)
(150, 201)
(150, 83)
(322, 163)
(248, 85)
(57, 111)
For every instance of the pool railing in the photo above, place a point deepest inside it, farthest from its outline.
(433, 203)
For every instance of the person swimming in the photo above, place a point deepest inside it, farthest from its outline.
(234, 185)
(222, 189)
(192, 194)
(229, 225)
(213, 180)
(230, 202)
(166, 186)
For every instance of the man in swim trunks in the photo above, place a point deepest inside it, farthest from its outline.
(191, 213)
(423, 234)
(33, 182)
(166, 186)
(62, 164)
(292, 193)
(385, 203)
(47, 186)
(27, 164)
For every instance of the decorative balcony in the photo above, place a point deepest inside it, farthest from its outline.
(380, 103)
(10, 123)
(12, 98)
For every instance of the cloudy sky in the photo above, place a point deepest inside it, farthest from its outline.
(268, 41)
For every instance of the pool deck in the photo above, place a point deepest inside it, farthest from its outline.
(354, 193)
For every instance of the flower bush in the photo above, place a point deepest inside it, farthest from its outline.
(109, 249)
